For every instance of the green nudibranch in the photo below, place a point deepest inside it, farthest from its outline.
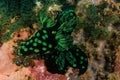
(55, 43)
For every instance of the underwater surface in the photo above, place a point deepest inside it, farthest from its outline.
(59, 40)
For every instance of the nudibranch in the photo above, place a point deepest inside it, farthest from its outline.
(54, 42)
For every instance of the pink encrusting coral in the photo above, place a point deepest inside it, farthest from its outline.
(6, 59)
(39, 72)
(8, 70)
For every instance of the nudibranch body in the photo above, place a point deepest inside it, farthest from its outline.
(60, 62)
(55, 43)
(43, 41)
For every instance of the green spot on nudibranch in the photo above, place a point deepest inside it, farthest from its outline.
(38, 34)
(46, 35)
(44, 49)
(44, 44)
(25, 49)
(36, 39)
(34, 44)
(71, 14)
(77, 50)
(81, 62)
(22, 47)
(44, 31)
(50, 46)
(43, 37)
(74, 65)
(81, 57)
(47, 52)
(39, 41)
(36, 50)
(83, 67)
(27, 43)
(31, 41)
(30, 48)
(53, 32)
(19, 53)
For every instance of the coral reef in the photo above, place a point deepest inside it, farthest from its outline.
(95, 32)
(8, 70)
